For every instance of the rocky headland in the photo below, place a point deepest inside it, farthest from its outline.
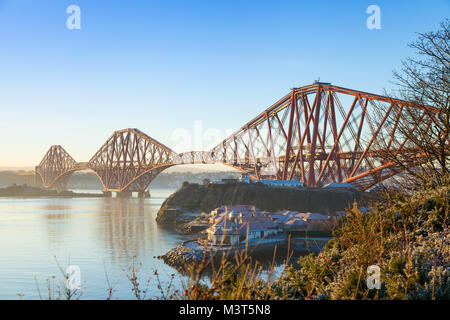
(195, 198)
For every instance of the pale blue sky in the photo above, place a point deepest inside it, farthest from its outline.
(162, 65)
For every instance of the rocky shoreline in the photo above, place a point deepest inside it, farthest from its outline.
(194, 227)
(182, 256)
(185, 255)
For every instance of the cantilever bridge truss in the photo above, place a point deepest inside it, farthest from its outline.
(316, 134)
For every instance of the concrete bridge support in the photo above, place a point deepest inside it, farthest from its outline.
(61, 184)
(144, 194)
(124, 194)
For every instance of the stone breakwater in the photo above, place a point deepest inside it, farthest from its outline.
(182, 256)
(191, 252)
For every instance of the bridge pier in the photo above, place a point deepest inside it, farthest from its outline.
(38, 180)
(61, 189)
(144, 194)
(61, 185)
(107, 194)
(124, 194)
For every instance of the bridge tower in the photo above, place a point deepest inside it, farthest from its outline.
(129, 160)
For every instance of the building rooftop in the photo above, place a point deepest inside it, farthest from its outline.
(241, 221)
(339, 185)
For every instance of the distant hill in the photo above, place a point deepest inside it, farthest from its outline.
(8, 178)
(16, 169)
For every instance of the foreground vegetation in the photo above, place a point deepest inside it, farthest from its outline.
(407, 237)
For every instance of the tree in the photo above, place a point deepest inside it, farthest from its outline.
(423, 81)
(185, 184)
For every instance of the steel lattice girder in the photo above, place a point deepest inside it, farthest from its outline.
(128, 160)
(320, 134)
(317, 134)
(56, 165)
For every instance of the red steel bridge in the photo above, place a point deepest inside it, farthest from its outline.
(317, 134)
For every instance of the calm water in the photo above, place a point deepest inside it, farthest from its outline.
(93, 233)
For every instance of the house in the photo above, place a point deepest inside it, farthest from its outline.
(246, 210)
(245, 178)
(299, 221)
(223, 231)
(225, 181)
(282, 183)
(295, 224)
(234, 225)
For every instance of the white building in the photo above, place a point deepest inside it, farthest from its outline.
(245, 178)
(233, 227)
(289, 220)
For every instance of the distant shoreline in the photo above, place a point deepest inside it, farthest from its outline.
(25, 191)
(89, 180)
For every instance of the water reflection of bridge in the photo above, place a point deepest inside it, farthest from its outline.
(118, 229)
(316, 134)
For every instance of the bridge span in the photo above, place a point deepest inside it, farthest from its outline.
(317, 134)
